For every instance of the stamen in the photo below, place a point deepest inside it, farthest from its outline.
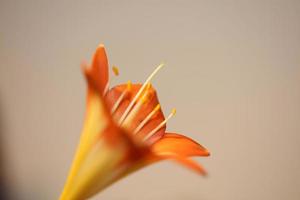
(139, 93)
(160, 125)
(115, 70)
(121, 97)
(136, 108)
(148, 117)
(106, 89)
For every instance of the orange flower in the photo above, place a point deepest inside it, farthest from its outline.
(124, 130)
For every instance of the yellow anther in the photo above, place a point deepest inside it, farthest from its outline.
(145, 98)
(146, 94)
(173, 111)
(115, 69)
(129, 85)
(157, 107)
(148, 86)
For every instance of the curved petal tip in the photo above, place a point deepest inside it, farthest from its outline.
(97, 73)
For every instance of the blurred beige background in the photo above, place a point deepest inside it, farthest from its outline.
(233, 73)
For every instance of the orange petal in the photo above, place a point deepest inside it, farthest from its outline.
(180, 145)
(179, 148)
(93, 168)
(104, 154)
(189, 163)
(98, 73)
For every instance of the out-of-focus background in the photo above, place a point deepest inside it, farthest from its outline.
(233, 73)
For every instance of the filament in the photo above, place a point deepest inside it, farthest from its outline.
(121, 97)
(139, 93)
(106, 89)
(148, 117)
(136, 108)
(160, 125)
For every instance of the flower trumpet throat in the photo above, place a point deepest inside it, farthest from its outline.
(124, 130)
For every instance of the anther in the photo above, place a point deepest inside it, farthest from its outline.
(148, 86)
(115, 70)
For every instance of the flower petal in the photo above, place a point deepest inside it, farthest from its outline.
(108, 151)
(98, 124)
(104, 154)
(180, 145)
(179, 148)
(105, 151)
(98, 72)
(189, 163)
